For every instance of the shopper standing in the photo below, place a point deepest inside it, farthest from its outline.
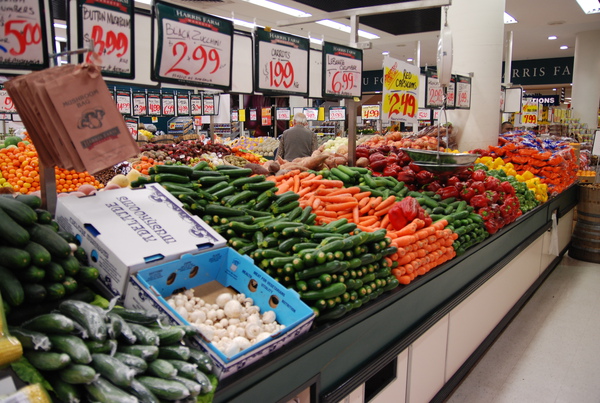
(297, 141)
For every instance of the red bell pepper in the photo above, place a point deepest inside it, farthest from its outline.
(478, 175)
(404, 212)
(406, 176)
(491, 226)
(392, 170)
(376, 157)
(448, 191)
(479, 201)
(508, 188)
(478, 187)
(467, 193)
(491, 183)
(378, 165)
(453, 181)
(424, 177)
(485, 213)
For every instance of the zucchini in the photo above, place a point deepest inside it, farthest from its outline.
(113, 369)
(211, 180)
(11, 232)
(54, 243)
(136, 316)
(184, 368)
(162, 369)
(182, 170)
(50, 323)
(235, 172)
(148, 353)
(54, 272)
(34, 292)
(164, 388)
(47, 360)
(73, 346)
(30, 339)
(177, 352)
(103, 391)
(32, 274)
(172, 178)
(330, 291)
(20, 212)
(169, 335)
(139, 365)
(14, 258)
(65, 392)
(11, 288)
(87, 316)
(76, 374)
(30, 200)
(202, 360)
(55, 291)
(143, 393)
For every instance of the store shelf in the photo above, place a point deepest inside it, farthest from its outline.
(346, 353)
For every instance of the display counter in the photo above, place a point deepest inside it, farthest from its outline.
(443, 320)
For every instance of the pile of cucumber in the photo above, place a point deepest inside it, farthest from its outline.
(379, 186)
(87, 353)
(39, 263)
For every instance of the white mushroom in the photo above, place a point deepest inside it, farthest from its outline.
(240, 331)
(224, 322)
(254, 318)
(252, 309)
(211, 315)
(221, 332)
(172, 302)
(252, 330)
(233, 309)
(220, 313)
(197, 316)
(268, 317)
(243, 342)
(262, 336)
(182, 312)
(208, 322)
(234, 321)
(189, 293)
(223, 298)
(206, 331)
(189, 306)
(231, 349)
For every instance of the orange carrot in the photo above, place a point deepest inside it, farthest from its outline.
(347, 215)
(296, 183)
(284, 187)
(383, 211)
(351, 190)
(375, 202)
(325, 213)
(362, 195)
(385, 221)
(387, 202)
(404, 240)
(441, 224)
(327, 182)
(404, 280)
(366, 228)
(342, 206)
(365, 209)
(355, 214)
(338, 199)
(303, 191)
(408, 229)
(368, 220)
(363, 202)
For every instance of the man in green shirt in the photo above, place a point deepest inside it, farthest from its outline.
(297, 141)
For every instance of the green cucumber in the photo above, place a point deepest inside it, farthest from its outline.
(32, 274)
(101, 347)
(202, 360)
(65, 392)
(30, 339)
(140, 317)
(30, 200)
(330, 291)
(126, 331)
(39, 255)
(50, 323)
(162, 369)
(164, 388)
(55, 272)
(47, 360)
(103, 391)
(70, 285)
(34, 292)
(54, 243)
(169, 335)
(76, 374)
(184, 368)
(139, 365)
(55, 291)
(87, 316)
(11, 232)
(148, 353)
(14, 258)
(67, 236)
(11, 288)
(113, 369)
(194, 387)
(70, 265)
(144, 335)
(143, 393)
(176, 352)
(204, 382)
(20, 212)
(87, 274)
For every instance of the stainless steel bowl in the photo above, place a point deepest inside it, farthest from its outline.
(439, 157)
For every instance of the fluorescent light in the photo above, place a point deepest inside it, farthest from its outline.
(589, 6)
(553, 89)
(316, 41)
(509, 19)
(60, 39)
(58, 25)
(563, 47)
(385, 53)
(552, 37)
(149, 2)
(346, 28)
(410, 59)
(279, 7)
(243, 23)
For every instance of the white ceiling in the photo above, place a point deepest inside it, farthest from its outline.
(537, 19)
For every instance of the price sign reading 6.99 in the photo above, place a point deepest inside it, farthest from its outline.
(281, 63)
(342, 71)
(193, 47)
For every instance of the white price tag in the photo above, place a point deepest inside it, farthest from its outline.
(6, 103)
(342, 69)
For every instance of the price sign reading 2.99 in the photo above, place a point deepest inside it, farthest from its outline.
(23, 36)
(281, 63)
(193, 48)
(109, 24)
(342, 71)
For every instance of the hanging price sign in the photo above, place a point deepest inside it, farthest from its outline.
(424, 114)
(463, 92)
(400, 91)
(6, 103)
(281, 62)
(311, 113)
(140, 105)
(342, 71)
(235, 115)
(109, 25)
(123, 99)
(265, 117)
(193, 47)
(434, 92)
(370, 112)
(132, 124)
(154, 105)
(168, 105)
(183, 105)
(530, 112)
(337, 113)
(23, 34)
(208, 105)
(451, 93)
(253, 115)
(282, 114)
(5, 116)
(196, 104)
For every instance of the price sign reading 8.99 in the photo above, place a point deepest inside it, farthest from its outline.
(193, 48)
(109, 25)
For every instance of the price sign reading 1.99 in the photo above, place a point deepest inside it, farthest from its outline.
(463, 92)
(23, 36)
(342, 71)
(193, 47)
(281, 63)
(109, 25)
(337, 113)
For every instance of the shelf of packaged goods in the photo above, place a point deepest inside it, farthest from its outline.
(345, 353)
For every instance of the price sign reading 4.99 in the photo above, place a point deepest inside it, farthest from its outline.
(109, 25)
(23, 35)
(193, 47)
(154, 105)
(281, 63)
(342, 71)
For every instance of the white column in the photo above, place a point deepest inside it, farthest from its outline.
(478, 37)
(585, 95)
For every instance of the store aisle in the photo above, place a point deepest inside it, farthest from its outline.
(550, 352)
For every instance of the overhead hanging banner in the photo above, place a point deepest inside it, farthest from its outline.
(25, 34)
(434, 92)
(281, 63)
(463, 92)
(400, 91)
(192, 47)
(342, 71)
(109, 25)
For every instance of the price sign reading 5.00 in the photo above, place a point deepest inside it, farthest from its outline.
(193, 47)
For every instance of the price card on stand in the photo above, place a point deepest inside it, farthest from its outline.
(110, 26)
(123, 99)
(192, 47)
(451, 93)
(183, 105)
(342, 71)
(337, 113)
(400, 91)
(282, 113)
(154, 105)
(311, 113)
(265, 117)
(208, 104)
(463, 92)
(529, 117)
(434, 92)
(235, 115)
(370, 112)
(168, 105)
(132, 124)
(140, 105)
(196, 104)
(6, 103)
(253, 115)
(281, 63)
(424, 114)
(25, 34)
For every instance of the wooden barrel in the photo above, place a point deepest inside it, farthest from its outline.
(585, 243)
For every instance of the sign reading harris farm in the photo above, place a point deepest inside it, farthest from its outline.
(542, 71)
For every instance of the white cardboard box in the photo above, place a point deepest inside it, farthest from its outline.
(212, 273)
(126, 230)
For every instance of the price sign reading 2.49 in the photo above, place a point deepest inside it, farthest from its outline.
(109, 25)
(193, 48)
(342, 71)
(400, 89)
(281, 62)
(22, 34)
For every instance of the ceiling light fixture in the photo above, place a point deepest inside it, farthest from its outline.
(59, 25)
(553, 89)
(509, 19)
(60, 39)
(148, 2)
(243, 23)
(316, 41)
(385, 53)
(346, 28)
(279, 7)
(410, 59)
(552, 37)
(589, 6)
(563, 47)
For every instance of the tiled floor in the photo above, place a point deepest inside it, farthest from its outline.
(550, 352)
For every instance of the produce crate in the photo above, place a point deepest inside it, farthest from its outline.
(586, 178)
(126, 230)
(217, 271)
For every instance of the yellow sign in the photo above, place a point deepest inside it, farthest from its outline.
(242, 115)
(400, 91)
(370, 112)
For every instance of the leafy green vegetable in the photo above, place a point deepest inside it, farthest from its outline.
(29, 374)
(208, 398)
